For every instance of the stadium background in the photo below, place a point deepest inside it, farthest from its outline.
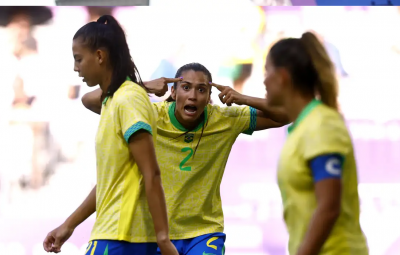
(47, 146)
(156, 2)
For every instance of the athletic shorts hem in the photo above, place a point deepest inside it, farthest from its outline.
(189, 235)
(129, 239)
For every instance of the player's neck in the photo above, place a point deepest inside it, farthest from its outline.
(188, 126)
(106, 81)
(296, 105)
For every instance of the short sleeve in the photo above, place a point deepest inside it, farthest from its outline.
(329, 136)
(135, 113)
(244, 118)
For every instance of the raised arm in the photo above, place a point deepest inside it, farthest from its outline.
(92, 100)
(267, 117)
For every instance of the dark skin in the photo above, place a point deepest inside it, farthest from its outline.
(95, 68)
(159, 87)
(328, 193)
(267, 117)
(194, 89)
(281, 91)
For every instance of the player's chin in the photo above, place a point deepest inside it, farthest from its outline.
(90, 84)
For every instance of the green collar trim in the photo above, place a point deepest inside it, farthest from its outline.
(106, 98)
(304, 113)
(175, 122)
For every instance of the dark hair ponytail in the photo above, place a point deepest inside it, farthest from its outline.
(107, 33)
(309, 65)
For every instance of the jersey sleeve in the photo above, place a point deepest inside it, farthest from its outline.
(135, 113)
(328, 166)
(329, 136)
(244, 118)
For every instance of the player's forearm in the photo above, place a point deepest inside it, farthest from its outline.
(318, 232)
(274, 113)
(87, 208)
(158, 209)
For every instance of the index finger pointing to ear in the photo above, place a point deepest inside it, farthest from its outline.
(170, 80)
(219, 87)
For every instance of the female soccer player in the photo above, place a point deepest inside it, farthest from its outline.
(127, 169)
(193, 145)
(317, 172)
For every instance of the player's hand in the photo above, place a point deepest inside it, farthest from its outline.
(56, 238)
(160, 86)
(229, 96)
(167, 248)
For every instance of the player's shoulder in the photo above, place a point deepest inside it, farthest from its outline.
(130, 91)
(162, 107)
(129, 87)
(327, 119)
(227, 111)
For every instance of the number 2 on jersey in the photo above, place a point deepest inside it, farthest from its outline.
(186, 168)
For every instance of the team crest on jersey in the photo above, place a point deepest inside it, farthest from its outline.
(189, 138)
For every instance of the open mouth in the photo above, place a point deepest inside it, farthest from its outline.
(190, 109)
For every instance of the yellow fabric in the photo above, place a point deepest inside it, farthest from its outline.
(321, 131)
(121, 205)
(246, 38)
(192, 186)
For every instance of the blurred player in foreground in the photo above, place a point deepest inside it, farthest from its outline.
(127, 169)
(317, 172)
(193, 145)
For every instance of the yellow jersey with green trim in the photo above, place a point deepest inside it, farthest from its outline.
(121, 204)
(191, 180)
(319, 130)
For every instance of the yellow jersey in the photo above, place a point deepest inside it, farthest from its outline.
(319, 130)
(191, 180)
(121, 204)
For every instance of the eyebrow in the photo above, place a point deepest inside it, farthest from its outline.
(202, 84)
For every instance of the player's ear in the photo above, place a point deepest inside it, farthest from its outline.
(283, 76)
(173, 92)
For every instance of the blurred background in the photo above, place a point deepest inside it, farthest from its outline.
(156, 2)
(47, 160)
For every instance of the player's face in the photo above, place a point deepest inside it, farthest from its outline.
(191, 95)
(273, 84)
(87, 63)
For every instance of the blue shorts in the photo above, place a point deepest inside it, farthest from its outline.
(210, 244)
(112, 247)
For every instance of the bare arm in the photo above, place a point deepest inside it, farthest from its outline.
(328, 194)
(87, 208)
(56, 238)
(267, 117)
(92, 100)
(142, 149)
